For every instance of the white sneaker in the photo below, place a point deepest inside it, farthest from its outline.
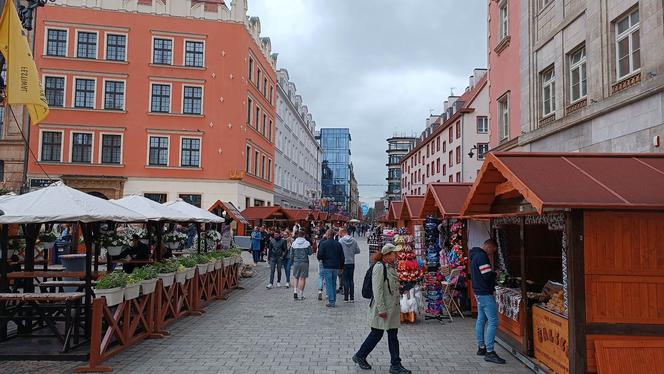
(287, 285)
(269, 285)
(278, 284)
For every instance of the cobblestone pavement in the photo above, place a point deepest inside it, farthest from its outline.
(265, 331)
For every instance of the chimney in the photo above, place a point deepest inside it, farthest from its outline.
(479, 74)
(239, 10)
(471, 81)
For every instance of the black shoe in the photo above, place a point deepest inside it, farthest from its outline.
(362, 363)
(295, 296)
(481, 351)
(399, 369)
(320, 295)
(494, 358)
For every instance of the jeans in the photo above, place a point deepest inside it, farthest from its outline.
(287, 267)
(330, 276)
(275, 263)
(321, 280)
(349, 283)
(256, 255)
(372, 340)
(487, 315)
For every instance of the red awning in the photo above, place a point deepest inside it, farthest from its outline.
(413, 207)
(297, 214)
(263, 212)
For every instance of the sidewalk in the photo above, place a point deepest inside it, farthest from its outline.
(265, 331)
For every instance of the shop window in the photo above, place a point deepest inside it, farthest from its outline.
(162, 51)
(51, 146)
(193, 199)
(56, 43)
(628, 44)
(111, 149)
(157, 197)
(81, 149)
(194, 53)
(86, 45)
(116, 47)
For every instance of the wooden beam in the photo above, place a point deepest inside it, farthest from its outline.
(576, 292)
(625, 329)
(504, 188)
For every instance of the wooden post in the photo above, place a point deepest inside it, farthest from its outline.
(576, 312)
(525, 347)
(4, 258)
(87, 237)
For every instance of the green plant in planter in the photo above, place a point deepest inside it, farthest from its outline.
(167, 266)
(145, 272)
(188, 262)
(115, 279)
(201, 259)
(47, 237)
(133, 279)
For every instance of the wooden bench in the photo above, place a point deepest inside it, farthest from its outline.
(46, 309)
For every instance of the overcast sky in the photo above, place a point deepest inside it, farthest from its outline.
(376, 66)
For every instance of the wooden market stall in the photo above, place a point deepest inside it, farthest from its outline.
(263, 215)
(394, 213)
(410, 212)
(228, 210)
(581, 243)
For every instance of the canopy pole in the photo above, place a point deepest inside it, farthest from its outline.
(87, 237)
(198, 235)
(4, 258)
(160, 229)
(30, 232)
(97, 246)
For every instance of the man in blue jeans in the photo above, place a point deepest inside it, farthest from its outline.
(484, 285)
(331, 255)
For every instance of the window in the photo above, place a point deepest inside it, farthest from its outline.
(116, 47)
(81, 147)
(438, 165)
(258, 79)
(54, 90)
(458, 129)
(271, 94)
(193, 100)
(444, 146)
(85, 93)
(451, 178)
(191, 151)
(503, 117)
(51, 146)
(158, 151)
(428, 149)
(264, 132)
(458, 154)
(2, 171)
(56, 43)
(438, 144)
(444, 169)
(193, 199)
(193, 53)
(450, 135)
(628, 45)
(249, 105)
(577, 75)
(158, 197)
(428, 170)
(548, 92)
(258, 202)
(114, 95)
(255, 162)
(269, 130)
(482, 125)
(251, 69)
(269, 170)
(86, 45)
(504, 24)
(248, 160)
(257, 118)
(482, 148)
(458, 177)
(161, 98)
(450, 158)
(111, 149)
(162, 52)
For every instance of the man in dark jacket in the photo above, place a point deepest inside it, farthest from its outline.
(137, 251)
(484, 284)
(278, 249)
(331, 254)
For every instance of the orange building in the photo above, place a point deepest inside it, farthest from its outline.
(163, 98)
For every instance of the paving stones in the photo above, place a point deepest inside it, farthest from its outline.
(234, 336)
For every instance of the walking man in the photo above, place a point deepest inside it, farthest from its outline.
(278, 249)
(350, 248)
(384, 311)
(299, 258)
(484, 285)
(332, 256)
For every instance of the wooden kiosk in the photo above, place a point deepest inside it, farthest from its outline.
(410, 212)
(594, 223)
(394, 213)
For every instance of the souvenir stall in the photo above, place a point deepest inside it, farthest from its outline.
(264, 215)
(577, 257)
(394, 213)
(410, 213)
(410, 274)
(432, 282)
(231, 215)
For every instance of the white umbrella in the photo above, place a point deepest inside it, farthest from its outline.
(60, 203)
(152, 209)
(354, 220)
(198, 214)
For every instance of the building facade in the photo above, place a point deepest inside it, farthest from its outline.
(397, 147)
(503, 44)
(354, 199)
(452, 147)
(164, 98)
(335, 168)
(592, 76)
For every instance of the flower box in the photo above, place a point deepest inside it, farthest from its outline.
(210, 266)
(132, 291)
(190, 273)
(181, 276)
(202, 268)
(113, 296)
(148, 286)
(166, 278)
(218, 264)
(114, 250)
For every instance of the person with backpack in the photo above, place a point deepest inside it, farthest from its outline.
(381, 285)
(332, 256)
(278, 250)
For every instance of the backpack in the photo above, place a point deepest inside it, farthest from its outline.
(367, 286)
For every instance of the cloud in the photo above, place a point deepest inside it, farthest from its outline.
(375, 66)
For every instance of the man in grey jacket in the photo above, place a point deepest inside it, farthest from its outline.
(299, 257)
(350, 248)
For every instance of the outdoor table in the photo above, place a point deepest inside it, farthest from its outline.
(80, 285)
(56, 275)
(44, 308)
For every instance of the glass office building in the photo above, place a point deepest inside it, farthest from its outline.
(335, 176)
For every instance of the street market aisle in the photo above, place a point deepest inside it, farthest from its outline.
(265, 331)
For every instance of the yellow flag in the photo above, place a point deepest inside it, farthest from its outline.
(23, 86)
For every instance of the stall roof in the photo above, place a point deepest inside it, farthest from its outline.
(198, 214)
(152, 210)
(323, 216)
(569, 180)
(231, 209)
(394, 212)
(262, 212)
(60, 203)
(445, 199)
(413, 206)
(297, 214)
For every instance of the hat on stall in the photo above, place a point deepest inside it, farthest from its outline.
(389, 247)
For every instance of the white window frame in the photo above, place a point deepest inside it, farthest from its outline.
(202, 87)
(168, 150)
(481, 156)
(101, 146)
(550, 85)
(200, 151)
(73, 91)
(503, 111)
(172, 39)
(126, 35)
(65, 29)
(184, 52)
(76, 32)
(485, 127)
(629, 33)
(581, 66)
(92, 146)
(503, 20)
(124, 93)
(62, 144)
(64, 91)
(170, 98)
